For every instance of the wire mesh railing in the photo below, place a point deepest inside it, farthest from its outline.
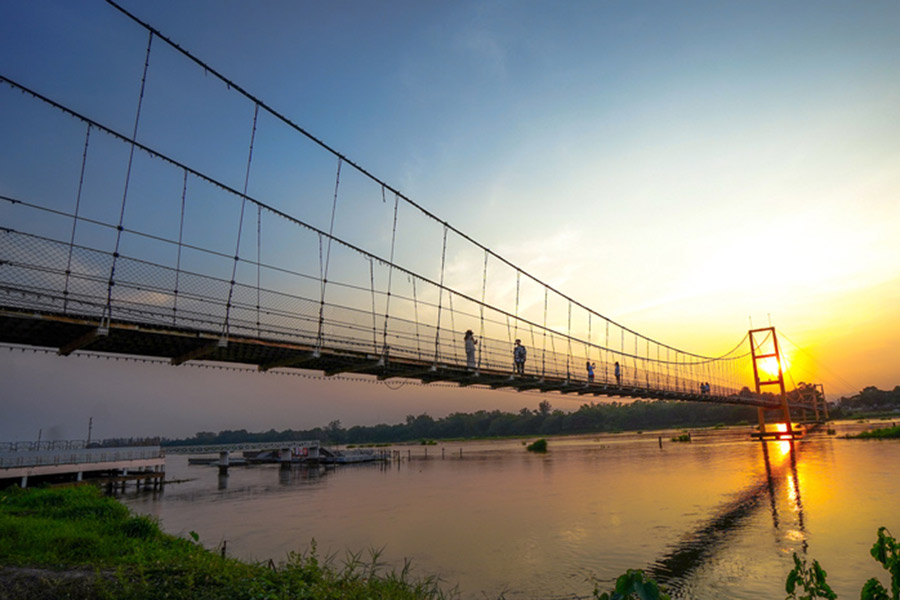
(115, 226)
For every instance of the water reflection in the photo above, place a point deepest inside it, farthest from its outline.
(796, 501)
(770, 485)
(702, 545)
(715, 519)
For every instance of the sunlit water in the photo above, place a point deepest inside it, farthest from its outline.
(719, 517)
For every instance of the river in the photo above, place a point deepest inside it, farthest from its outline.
(716, 518)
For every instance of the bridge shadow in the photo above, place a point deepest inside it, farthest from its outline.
(703, 543)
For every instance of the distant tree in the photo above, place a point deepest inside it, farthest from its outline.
(804, 392)
(335, 432)
(422, 426)
(544, 408)
(871, 398)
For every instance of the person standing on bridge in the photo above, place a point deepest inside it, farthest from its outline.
(471, 342)
(618, 374)
(590, 370)
(519, 354)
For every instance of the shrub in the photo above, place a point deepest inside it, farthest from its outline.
(537, 446)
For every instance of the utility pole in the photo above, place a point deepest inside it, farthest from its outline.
(90, 426)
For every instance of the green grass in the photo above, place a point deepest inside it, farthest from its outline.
(885, 433)
(66, 528)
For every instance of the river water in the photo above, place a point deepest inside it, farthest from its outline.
(716, 518)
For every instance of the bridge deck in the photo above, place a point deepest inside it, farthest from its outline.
(68, 334)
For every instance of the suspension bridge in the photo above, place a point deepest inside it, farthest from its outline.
(135, 236)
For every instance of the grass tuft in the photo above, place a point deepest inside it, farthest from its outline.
(122, 556)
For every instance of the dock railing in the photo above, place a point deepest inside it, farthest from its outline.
(33, 454)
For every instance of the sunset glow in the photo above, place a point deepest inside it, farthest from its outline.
(684, 182)
(770, 367)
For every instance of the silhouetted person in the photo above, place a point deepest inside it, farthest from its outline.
(590, 370)
(618, 374)
(519, 354)
(471, 342)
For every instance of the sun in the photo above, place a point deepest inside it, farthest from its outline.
(770, 365)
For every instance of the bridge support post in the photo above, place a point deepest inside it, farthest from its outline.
(821, 389)
(767, 353)
(785, 409)
(223, 462)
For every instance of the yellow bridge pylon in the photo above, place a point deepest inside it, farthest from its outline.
(767, 362)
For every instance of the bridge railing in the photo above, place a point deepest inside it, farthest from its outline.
(58, 456)
(65, 445)
(147, 224)
(312, 445)
(34, 277)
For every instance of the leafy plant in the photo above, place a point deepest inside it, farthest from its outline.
(810, 579)
(633, 584)
(886, 550)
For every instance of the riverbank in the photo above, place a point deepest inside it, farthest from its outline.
(76, 543)
(884, 433)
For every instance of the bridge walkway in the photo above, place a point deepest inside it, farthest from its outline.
(68, 334)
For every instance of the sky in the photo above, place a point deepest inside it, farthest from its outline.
(687, 169)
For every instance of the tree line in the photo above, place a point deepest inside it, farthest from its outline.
(871, 398)
(544, 420)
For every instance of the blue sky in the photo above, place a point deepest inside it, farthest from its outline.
(679, 167)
